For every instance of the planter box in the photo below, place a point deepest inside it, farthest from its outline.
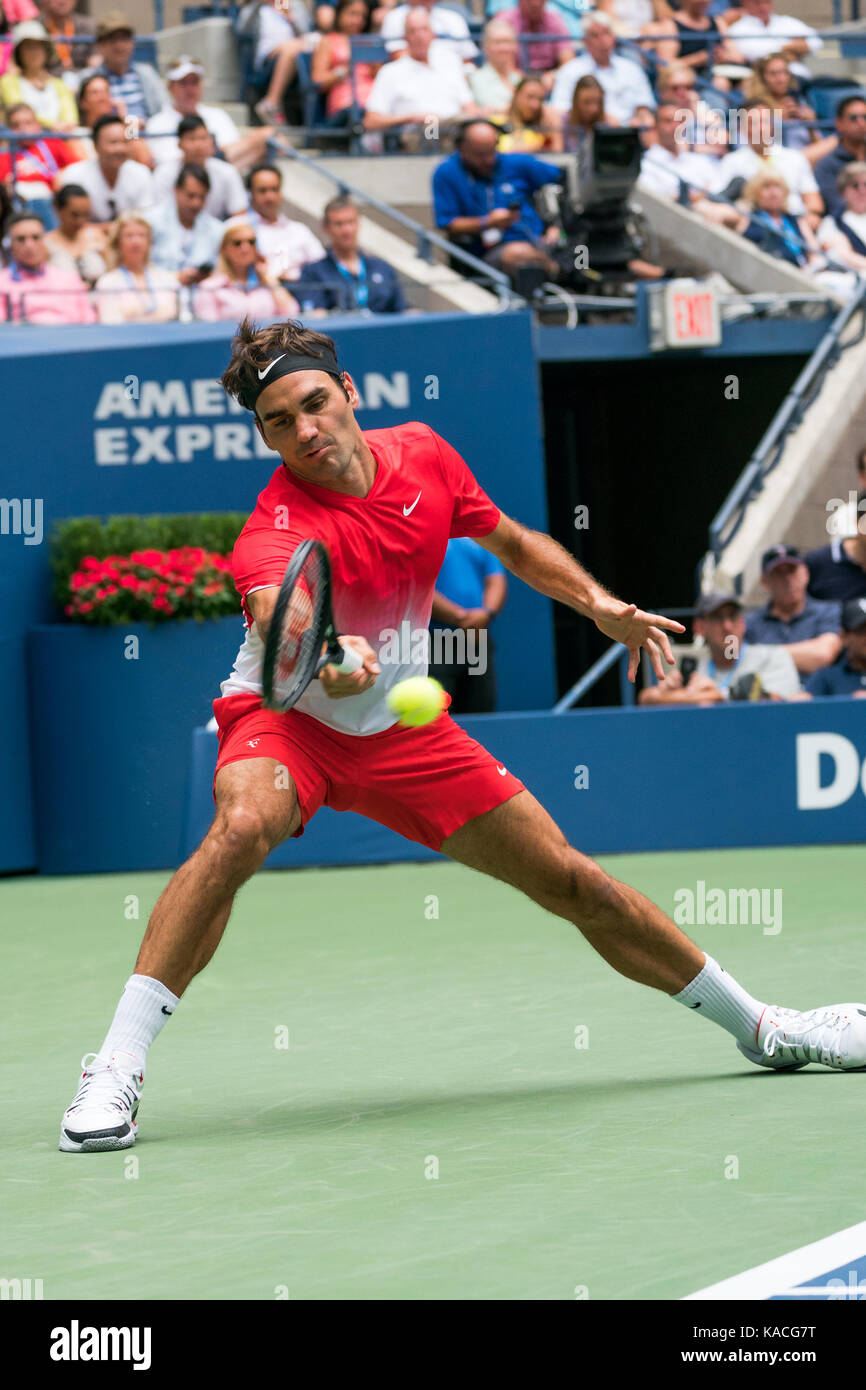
(111, 738)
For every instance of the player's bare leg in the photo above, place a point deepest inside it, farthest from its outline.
(519, 843)
(253, 815)
(256, 810)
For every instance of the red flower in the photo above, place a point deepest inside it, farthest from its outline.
(85, 607)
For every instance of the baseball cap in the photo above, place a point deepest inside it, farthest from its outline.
(853, 614)
(779, 555)
(115, 22)
(711, 603)
(183, 67)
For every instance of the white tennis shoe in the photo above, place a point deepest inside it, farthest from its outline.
(102, 1115)
(833, 1036)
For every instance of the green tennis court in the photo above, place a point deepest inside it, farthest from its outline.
(431, 1130)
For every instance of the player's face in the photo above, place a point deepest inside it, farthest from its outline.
(307, 419)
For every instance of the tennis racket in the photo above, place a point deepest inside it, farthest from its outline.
(302, 637)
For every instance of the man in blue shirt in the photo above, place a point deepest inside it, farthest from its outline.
(345, 279)
(807, 627)
(847, 676)
(470, 591)
(851, 130)
(484, 201)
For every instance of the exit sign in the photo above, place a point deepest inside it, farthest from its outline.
(688, 317)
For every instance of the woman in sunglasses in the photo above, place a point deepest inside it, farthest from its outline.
(241, 283)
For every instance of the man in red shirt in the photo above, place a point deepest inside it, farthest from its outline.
(546, 54)
(385, 503)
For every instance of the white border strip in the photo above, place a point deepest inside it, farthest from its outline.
(783, 1274)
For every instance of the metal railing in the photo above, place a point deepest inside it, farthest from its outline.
(805, 389)
(615, 654)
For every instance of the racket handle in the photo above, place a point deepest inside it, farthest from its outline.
(352, 661)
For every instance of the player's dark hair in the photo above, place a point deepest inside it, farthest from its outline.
(263, 167)
(106, 120)
(193, 171)
(253, 348)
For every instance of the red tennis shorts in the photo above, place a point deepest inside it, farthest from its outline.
(424, 783)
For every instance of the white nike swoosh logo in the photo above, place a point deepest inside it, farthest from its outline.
(501, 770)
(263, 374)
(408, 510)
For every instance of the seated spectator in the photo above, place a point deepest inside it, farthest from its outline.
(669, 168)
(771, 227)
(678, 85)
(694, 28)
(136, 291)
(49, 97)
(445, 23)
(278, 43)
(346, 279)
(847, 675)
(184, 81)
(470, 592)
(287, 246)
(475, 192)
(587, 111)
(761, 153)
(33, 290)
(186, 239)
(627, 94)
(137, 85)
(760, 32)
(94, 100)
(850, 146)
(63, 23)
(77, 243)
(331, 70)
(631, 17)
(728, 664)
(843, 237)
(838, 571)
(412, 90)
(33, 169)
(115, 182)
(492, 85)
(807, 628)
(227, 196)
(543, 56)
(773, 83)
(533, 126)
(242, 283)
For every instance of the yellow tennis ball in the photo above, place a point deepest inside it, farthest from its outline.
(417, 701)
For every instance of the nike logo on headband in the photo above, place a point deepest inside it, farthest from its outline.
(264, 373)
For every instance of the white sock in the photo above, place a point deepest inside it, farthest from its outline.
(145, 1007)
(717, 996)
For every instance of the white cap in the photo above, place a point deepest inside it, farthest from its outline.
(183, 67)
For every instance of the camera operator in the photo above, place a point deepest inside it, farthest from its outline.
(483, 200)
(728, 667)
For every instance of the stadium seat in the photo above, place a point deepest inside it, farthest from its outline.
(313, 111)
(824, 94)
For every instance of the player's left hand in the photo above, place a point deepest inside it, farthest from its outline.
(339, 685)
(626, 623)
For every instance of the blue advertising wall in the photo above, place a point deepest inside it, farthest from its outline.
(133, 420)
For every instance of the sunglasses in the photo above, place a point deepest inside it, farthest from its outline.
(245, 241)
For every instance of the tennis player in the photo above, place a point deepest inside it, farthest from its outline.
(385, 503)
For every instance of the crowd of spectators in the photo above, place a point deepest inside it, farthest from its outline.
(808, 640)
(128, 199)
(136, 141)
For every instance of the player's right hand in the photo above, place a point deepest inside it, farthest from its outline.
(339, 686)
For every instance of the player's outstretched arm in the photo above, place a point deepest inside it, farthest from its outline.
(543, 563)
